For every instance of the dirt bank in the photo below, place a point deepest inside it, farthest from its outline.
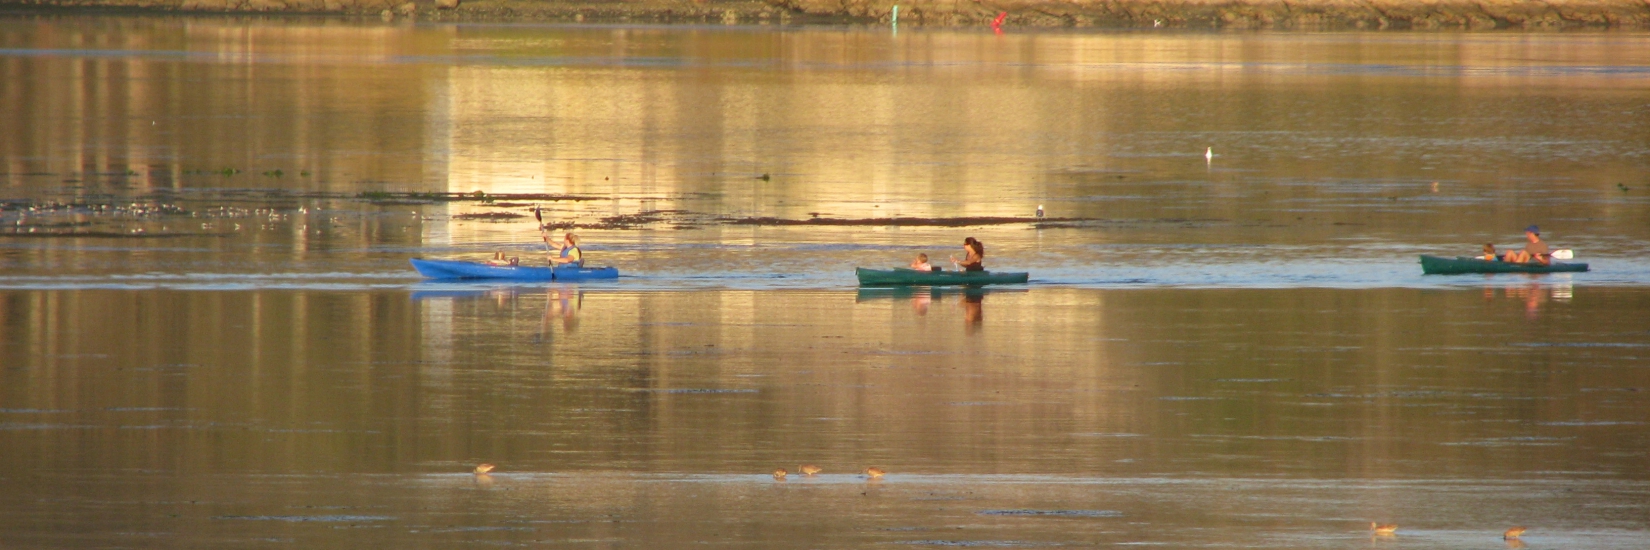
(1285, 14)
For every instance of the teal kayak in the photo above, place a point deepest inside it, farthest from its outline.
(1433, 265)
(450, 269)
(912, 277)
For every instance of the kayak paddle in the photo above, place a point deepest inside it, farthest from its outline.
(542, 234)
(1563, 254)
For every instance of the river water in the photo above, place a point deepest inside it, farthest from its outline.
(210, 335)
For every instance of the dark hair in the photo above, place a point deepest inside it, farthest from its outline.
(979, 248)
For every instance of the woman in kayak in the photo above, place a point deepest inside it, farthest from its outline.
(568, 252)
(974, 256)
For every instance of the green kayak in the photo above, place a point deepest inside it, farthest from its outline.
(903, 276)
(1433, 265)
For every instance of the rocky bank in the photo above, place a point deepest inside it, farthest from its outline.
(1238, 14)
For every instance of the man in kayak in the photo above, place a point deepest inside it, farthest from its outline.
(568, 252)
(1534, 252)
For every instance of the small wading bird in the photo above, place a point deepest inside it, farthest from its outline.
(808, 469)
(483, 469)
(780, 474)
(1513, 533)
(1383, 528)
(874, 472)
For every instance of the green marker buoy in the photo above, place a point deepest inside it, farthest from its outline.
(895, 18)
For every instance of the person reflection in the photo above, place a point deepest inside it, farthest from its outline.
(973, 305)
(920, 301)
(1533, 296)
(564, 302)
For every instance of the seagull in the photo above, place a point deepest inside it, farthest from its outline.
(1383, 528)
(1039, 210)
(1209, 154)
(482, 469)
(1513, 533)
(1157, 22)
(779, 474)
(874, 472)
(808, 469)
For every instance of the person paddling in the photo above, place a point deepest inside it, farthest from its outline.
(568, 252)
(974, 259)
(1534, 252)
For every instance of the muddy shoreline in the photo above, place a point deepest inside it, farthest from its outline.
(1165, 14)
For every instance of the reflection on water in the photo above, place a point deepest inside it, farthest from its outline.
(563, 302)
(1533, 294)
(971, 300)
(1072, 417)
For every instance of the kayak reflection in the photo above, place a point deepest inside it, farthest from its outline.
(971, 300)
(469, 291)
(1533, 295)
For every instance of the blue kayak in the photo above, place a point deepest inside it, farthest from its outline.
(450, 269)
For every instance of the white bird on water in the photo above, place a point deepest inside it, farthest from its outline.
(1039, 210)
(1209, 155)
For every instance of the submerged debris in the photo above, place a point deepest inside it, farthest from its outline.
(492, 216)
(444, 196)
(897, 222)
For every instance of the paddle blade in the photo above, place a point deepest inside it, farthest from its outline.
(538, 216)
(1563, 254)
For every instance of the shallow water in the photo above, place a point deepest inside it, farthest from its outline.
(210, 335)
(1070, 417)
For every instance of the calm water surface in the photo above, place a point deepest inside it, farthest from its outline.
(210, 336)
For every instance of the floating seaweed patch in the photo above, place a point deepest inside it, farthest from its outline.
(976, 543)
(296, 519)
(488, 216)
(1055, 513)
(699, 390)
(480, 529)
(962, 221)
